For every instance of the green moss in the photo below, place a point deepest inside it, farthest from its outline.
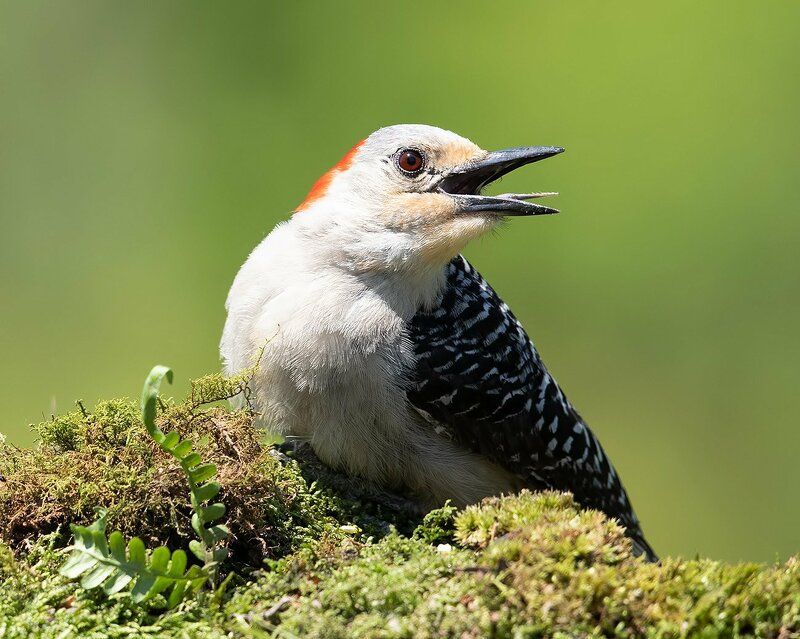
(320, 555)
(105, 458)
(216, 387)
(437, 525)
(108, 426)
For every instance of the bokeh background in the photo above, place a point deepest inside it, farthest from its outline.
(145, 148)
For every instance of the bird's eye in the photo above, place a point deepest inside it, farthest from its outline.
(410, 161)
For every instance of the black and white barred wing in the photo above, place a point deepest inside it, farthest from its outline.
(480, 379)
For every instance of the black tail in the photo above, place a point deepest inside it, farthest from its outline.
(641, 547)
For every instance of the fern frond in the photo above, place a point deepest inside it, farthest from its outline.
(199, 475)
(108, 563)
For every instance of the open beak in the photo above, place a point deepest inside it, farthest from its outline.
(464, 183)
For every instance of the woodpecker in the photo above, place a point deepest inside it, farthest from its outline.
(378, 343)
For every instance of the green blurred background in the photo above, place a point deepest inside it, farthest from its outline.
(145, 148)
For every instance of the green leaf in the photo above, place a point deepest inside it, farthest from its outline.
(212, 512)
(136, 552)
(160, 585)
(198, 549)
(220, 555)
(197, 576)
(97, 576)
(220, 532)
(83, 535)
(206, 491)
(105, 562)
(178, 564)
(176, 595)
(202, 473)
(159, 560)
(117, 582)
(191, 460)
(170, 440)
(143, 586)
(116, 546)
(77, 565)
(197, 525)
(99, 541)
(181, 450)
(150, 399)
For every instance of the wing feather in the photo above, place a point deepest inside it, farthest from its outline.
(480, 378)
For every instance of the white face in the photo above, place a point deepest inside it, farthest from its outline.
(411, 158)
(395, 174)
(390, 204)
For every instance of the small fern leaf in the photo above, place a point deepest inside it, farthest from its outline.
(177, 564)
(207, 491)
(84, 556)
(202, 473)
(177, 594)
(197, 548)
(159, 560)
(170, 440)
(202, 491)
(107, 563)
(117, 582)
(220, 532)
(97, 575)
(220, 554)
(116, 546)
(137, 555)
(191, 460)
(143, 586)
(182, 449)
(212, 512)
(77, 564)
(150, 400)
(197, 526)
(196, 577)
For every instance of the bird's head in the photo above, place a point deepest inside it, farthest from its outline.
(410, 196)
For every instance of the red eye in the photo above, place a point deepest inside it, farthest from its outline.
(410, 160)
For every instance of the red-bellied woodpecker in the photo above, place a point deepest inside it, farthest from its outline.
(386, 350)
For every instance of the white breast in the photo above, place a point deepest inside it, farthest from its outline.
(334, 361)
(334, 353)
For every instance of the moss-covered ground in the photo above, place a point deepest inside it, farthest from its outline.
(315, 554)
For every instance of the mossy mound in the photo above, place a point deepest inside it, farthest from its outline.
(106, 458)
(319, 555)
